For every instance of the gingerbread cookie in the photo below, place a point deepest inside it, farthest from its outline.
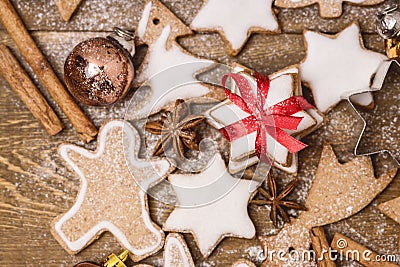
(235, 21)
(284, 84)
(67, 7)
(328, 201)
(112, 196)
(212, 197)
(168, 70)
(336, 65)
(176, 252)
(327, 8)
(391, 209)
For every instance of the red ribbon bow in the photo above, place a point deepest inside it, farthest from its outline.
(264, 120)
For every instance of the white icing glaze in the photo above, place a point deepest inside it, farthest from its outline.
(161, 167)
(175, 247)
(227, 213)
(334, 67)
(171, 75)
(144, 20)
(235, 18)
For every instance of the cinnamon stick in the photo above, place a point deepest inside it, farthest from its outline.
(27, 91)
(28, 48)
(321, 247)
(349, 249)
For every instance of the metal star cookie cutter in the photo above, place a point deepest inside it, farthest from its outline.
(377, 85)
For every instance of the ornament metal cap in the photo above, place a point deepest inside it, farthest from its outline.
(389, 22)
(116, 261)
(111, 261)
(125, 38)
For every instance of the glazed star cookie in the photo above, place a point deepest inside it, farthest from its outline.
(67, 7)
(284, 84)
(112, 196)
(212, 197)
(167, 69)
(328, 202)
(327, 8)
(336, 65)
(236, 20)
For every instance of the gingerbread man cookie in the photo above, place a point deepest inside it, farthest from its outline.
(112, 196)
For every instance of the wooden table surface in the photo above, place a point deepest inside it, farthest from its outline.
(35, 185)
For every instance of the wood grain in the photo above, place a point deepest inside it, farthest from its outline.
(27, 91)
(36, 186)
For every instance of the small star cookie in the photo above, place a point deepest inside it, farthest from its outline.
(337, 65)
(167, 69)
(235, 20)
(112, 196)
(284, 84)
(211, 197)
(327, 8)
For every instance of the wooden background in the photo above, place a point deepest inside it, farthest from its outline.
(36, 185)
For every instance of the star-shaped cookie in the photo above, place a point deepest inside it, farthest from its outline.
(167, 69)
(337, 65)
(327, 8)
(235, 20)
(211, 198)
(112, 196)
(67, 7)
(381, 125)
(284, 84)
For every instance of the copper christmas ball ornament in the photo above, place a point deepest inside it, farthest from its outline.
(99, 71)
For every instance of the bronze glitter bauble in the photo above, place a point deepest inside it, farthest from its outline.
(99, 71)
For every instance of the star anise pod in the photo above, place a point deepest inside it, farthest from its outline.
(276, 200)
(176, 130)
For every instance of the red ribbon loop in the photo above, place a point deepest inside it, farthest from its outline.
(263, 119)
